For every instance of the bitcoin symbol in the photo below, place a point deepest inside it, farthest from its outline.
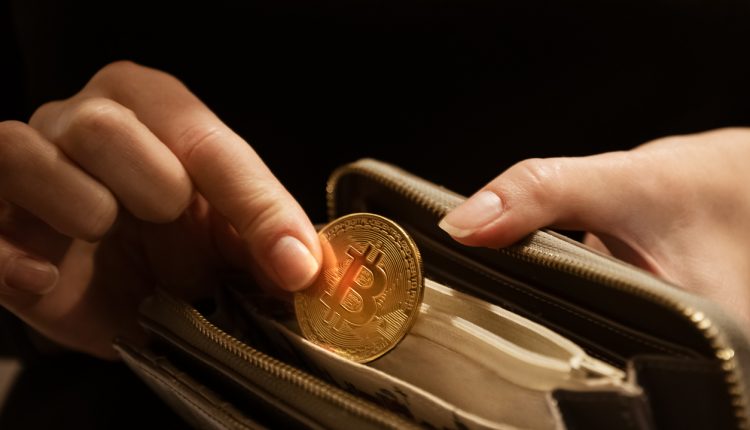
(369, 291)
(339, 301)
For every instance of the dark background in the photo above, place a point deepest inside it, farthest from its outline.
(454, 90)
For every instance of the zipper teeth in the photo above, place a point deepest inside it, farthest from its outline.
(288, 373)
(409, 188)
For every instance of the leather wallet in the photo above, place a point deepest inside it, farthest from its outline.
(544, 334)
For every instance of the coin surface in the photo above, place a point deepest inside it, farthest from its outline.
(369, 290)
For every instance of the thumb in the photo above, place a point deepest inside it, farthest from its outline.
(596, 193)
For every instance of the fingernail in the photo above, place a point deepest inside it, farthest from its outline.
(473, 214)
(293, 263)
(30, 275)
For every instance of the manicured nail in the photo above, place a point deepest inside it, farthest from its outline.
(294, 264)
(26, 274)
(476, 212)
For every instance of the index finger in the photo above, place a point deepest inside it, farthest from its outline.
(226, 170)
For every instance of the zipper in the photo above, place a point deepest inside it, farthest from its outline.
(248, 356)
(439, 201)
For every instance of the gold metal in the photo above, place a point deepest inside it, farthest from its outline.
(369, 291)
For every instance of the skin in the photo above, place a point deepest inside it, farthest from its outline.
(133, 183)
(678, 207)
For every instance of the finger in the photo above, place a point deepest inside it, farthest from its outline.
(36, 176)
(224, 168)
(590, 193)
(22, 275)
(615, 247)
(593, 242)
(111, 144)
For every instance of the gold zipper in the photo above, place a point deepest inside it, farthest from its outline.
(282, 371)
(615, 275)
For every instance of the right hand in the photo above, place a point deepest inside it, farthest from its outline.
(131, 183)
(678, 207)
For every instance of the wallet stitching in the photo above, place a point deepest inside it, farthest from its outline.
(563, 307)
(174, 390)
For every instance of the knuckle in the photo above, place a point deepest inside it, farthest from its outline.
(100, 117)
(666, 141)
(196, 137)
(117, 70)
(538, 172)
(539, 175)
(96, 114)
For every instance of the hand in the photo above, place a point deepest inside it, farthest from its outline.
(131, 183)
(678, 207)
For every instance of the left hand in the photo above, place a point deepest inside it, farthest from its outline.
(132, 183)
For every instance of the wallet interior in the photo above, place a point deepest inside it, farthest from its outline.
(465, 363)
(504, 341)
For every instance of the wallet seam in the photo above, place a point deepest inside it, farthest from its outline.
(562, 307)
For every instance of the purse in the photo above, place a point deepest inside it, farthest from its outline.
(543, 334)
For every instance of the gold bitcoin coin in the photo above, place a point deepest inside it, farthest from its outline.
(369, 290)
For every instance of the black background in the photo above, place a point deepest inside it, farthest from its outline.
(454, 90)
